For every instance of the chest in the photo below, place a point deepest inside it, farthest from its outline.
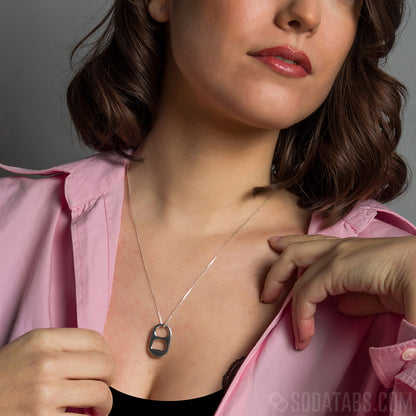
(218, 322)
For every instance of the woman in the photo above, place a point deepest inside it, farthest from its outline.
(157, 275)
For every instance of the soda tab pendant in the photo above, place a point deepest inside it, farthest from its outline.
(161, 339)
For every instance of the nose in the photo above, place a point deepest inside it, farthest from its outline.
(302, 16)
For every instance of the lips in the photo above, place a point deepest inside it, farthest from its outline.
(288, 53)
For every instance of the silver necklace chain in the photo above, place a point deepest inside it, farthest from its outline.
(133, 215)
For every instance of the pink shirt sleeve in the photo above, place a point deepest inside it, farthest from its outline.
(395, 366)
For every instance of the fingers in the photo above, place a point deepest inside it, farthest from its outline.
(89, 365)
(70, 353)
(297, 252)
(76, 394)
(280, 272)
(410, 304)
(359, 304)
(309, 291)
(377, 273)
(322, 277)
(49, 370)
(87, 393)
(281, 242)
(68, 339)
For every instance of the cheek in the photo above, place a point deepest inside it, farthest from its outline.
(335, 49)
(225, 77)
(194, 36)
(204, 51)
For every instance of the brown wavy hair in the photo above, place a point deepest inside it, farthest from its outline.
(343, 153)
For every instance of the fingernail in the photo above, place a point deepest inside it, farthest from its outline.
(300, 345)
(275, 239)
(302, 327)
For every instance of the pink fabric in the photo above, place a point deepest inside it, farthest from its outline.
(58, 242)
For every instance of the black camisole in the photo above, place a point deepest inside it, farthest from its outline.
(124, 404)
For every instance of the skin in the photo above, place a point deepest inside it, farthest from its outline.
(221, 111)
(219, 118)
(46, 370)
(369, 275)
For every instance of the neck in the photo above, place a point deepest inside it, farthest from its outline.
(200, 175)
(199, 167)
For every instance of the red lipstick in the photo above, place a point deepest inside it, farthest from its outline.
(285, 60)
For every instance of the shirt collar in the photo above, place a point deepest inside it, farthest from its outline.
(85, 179)
(88, 178)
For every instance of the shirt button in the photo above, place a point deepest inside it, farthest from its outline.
(409, 354)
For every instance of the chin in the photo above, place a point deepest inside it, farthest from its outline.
(270, 114)
(273, 120)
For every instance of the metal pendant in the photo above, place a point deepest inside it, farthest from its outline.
(164, 339)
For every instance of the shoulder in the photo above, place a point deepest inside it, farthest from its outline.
(22, 194)
(370, 218)
(386, 222)
(72, 183)
(34, 189)
(374, 219)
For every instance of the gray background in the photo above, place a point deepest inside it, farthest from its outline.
(35, 40)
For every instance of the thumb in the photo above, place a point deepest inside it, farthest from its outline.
(359, 304)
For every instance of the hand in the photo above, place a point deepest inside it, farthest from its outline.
(370, 275)
(47, 370)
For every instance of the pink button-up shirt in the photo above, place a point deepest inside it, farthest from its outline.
(58, 242)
